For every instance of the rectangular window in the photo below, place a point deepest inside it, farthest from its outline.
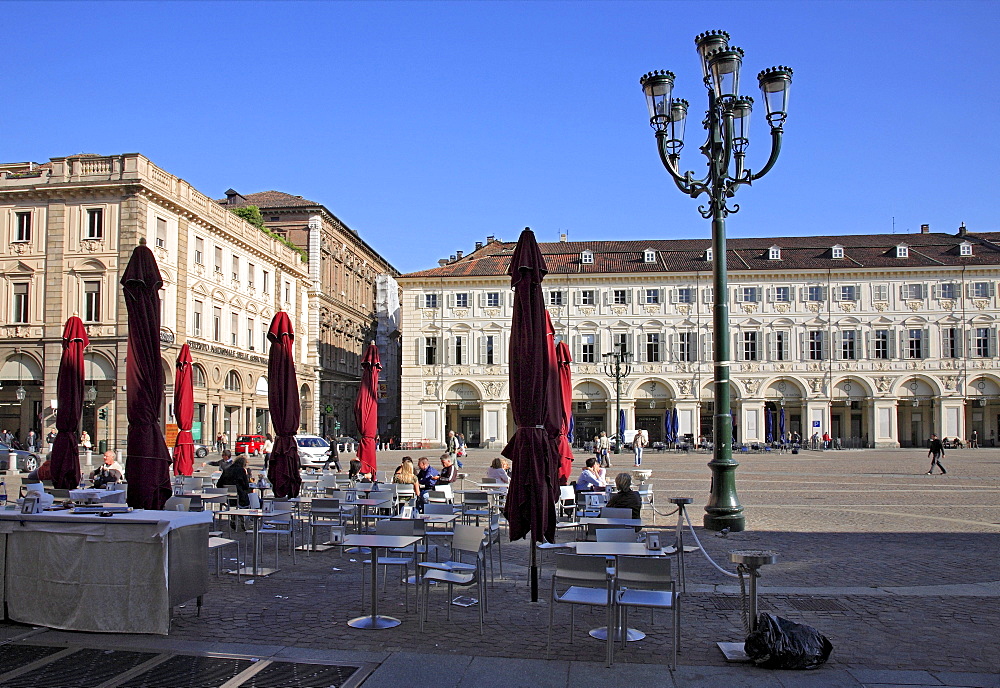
(23, 230)
(685, 295)
(288, 292)
(620, 342)
(749, 295)
(982, 346)
(263, 336)
(265, 282)
(881, 348)
(686, 346)
(619, 297)
(461, 300)
(587, 297)
(880, 292)
(92, 300)
(459, 350)
(196, 321)
(161, 233)
(234, 329)
(749, 346)
(20, 304)
(781, 348)
(236, 268)
(848, 292)
(493, 299)
(251, 274)
(218, 259)
(815, 345)
(217, 324)
(915, 344)
(199, 251)
(430, 300)
(913, 291)
(588, 348)
(981, 290)
(95, 223)
(489, 350)
(849, 345)
(250, 333)
(814, 293)
(947, 290)
(653, 347)
(652, 296)
(782, 294)
(430, 350)
(950, 339)
(555, 298)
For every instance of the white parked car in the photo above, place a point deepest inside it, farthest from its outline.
(313, 450)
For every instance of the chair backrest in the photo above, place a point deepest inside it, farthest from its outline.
(196, 504)
(584, 570)
(254, 500)
(177, 504)
(216, 490)
(650, 573)
(404, 491)
(476, 499)
(438, 509)
(567, 493)
(328, 481)
(467, 538)
(325, 506)
(207, 483)
(193, 484)
(609, 512)
(489, 481)
(437, 496)
(392, 527)
(615, 535)
(281, 505)
(446, 491)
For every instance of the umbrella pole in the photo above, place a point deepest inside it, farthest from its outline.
(534, 569)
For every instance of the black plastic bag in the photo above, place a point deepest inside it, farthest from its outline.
(782, 644)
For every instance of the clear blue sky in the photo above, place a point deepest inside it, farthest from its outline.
(427, 126)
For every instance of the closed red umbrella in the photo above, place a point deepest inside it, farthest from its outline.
(147, 469)
(535, 403)
(283, 402)
(366, 409)
(184, 413)
(566, 401)
(65, 460)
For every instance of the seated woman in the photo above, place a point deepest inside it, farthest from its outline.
(626, 497)
(590, 480)
(496, 471)
(354, 470)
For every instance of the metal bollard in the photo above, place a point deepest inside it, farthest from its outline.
(749, 560)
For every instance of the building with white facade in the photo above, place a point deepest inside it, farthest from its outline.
(877, 339)
(69, 228)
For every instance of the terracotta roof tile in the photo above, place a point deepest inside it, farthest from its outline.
(271, 199)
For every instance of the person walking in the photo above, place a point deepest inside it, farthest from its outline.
(451, 444)
(638, 443)
(936, 453)
(604, 443)
(974, 440)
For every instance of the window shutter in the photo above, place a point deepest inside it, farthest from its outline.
(739, 294)
(419, 358)
(936, 291)
(606, 296)
(993, 342)
(708, 295)
(837, 293)
(482, 349)
(803, 293)
(673, 295)
(969, 290)
(772, 348)
(902, 291)
(903, 349)
(738, 346)
(707, 353)
(803, 346)
(597, 346)
(672, 348)
(481, 299)
(868, 352)
(447, 354)
(925, 345)
(837, 351)
(959, 336)
(628, 296)
(420, 301)
(993, 289)
(577, 297)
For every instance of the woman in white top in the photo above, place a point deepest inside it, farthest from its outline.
(496, 472)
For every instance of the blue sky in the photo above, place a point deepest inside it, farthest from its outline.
(428, 126)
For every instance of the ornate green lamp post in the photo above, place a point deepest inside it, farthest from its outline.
(727, 122)
(618, 366)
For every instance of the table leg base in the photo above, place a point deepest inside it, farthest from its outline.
(734, 652)
(602, 634)
(317, 548)
(374, 622)
(248, 571)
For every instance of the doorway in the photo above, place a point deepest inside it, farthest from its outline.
(470, 427)
(653, 425)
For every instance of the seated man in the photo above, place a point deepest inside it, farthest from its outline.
(590, 480)
(626, 497)
(428, 476)
(448, 471)
(225, 462)
(110, 472)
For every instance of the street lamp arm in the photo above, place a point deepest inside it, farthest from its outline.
(776, 133)
(670, 163)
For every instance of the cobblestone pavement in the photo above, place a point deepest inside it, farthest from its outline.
(897, 568)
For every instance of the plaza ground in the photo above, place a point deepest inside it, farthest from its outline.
(897, 568)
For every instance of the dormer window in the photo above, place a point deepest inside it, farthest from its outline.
(837, 252)
(649, 256)
(708, 255)
(902, 251)
(965, 249)
(774, 253)
(587, 257)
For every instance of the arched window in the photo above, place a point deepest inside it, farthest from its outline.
(233, 383)
(198, 378)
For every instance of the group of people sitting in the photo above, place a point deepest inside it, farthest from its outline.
(425, 477)
(594, 479)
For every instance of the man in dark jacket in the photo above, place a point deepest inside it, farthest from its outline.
(935, 450)
(626, 497)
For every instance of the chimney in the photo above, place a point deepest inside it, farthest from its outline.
(925, 229)
(479, 245)
(442, 262)
(490, 239)
(962, 231)
(563, 237)
(452, 258)
(458, 254)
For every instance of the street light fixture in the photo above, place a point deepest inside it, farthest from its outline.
(618, 366)
(727, 123)
(90, 396)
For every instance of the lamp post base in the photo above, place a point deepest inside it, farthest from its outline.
(724, 509)
(735, 522)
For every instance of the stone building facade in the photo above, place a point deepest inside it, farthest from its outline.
(343, 315)
(69, 228)
(877, 339)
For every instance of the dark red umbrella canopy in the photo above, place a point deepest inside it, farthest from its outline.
(283, 401)
(184, 413)
(65, 460)
(535, 401)
(566, 404)
(147, 468)
(366, 409)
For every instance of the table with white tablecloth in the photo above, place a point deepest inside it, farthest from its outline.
(98, 495)
(86, 572)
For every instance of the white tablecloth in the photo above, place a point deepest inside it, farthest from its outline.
(102, 496)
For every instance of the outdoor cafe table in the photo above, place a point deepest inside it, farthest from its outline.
(99, 495)
(258, 515)
(368, 504)
(374, 543)
(617, 549)
(614, 522)
(86, 572)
